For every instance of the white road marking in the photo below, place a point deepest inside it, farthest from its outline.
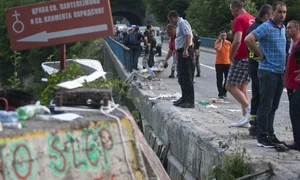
(200, 63)
(207, 66)
(215, 69)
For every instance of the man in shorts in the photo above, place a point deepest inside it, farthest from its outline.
(238, 77)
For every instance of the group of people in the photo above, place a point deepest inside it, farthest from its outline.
(184, 51)
(133, 38)
(257, 53)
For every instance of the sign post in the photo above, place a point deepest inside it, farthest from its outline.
(58, 22)
(62, 53)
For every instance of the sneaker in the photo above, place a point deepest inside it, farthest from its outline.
(275, 140)
(265, 142)
(241, 122)
(247, 125)
(221, 97)
(198, 75)
(171, 76)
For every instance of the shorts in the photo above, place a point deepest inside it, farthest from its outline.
(238, 72)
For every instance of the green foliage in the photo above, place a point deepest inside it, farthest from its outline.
(120, 88)
(161, 8)
(230, 167)
(70, 73)
(209, 17)
(88, 49)
(251, 7)
(14, 80)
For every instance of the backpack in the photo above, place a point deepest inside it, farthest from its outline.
(133, 39)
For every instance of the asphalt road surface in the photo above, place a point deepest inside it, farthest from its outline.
(205, 89)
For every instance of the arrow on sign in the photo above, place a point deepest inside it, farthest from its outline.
(44, 36)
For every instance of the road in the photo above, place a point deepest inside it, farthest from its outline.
(205, 88)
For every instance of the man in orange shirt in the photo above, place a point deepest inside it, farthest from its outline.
(222, 47)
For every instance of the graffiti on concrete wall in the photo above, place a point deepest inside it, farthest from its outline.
(57, 153)
(112, 177)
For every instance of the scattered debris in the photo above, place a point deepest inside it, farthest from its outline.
(212, 106)
(166, 96)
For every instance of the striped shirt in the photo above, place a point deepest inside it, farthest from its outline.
(272, 42)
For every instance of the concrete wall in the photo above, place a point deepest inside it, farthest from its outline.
(189, 153)
(93, 152)
(193, 135)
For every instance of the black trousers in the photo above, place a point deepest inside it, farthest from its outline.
(295, 114)
(290, 93)
(136, 52)
(253, 66)
(221, 75)
(186, 69)
(151, 58)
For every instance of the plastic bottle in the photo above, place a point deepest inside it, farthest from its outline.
(29, 111)
(8, 116)
(12, 125)
(203, 102)
(26, 112)
(152, 74)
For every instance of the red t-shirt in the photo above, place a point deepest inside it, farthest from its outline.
(172, 43)
(172, 46)
(241, 24)
(291, 66)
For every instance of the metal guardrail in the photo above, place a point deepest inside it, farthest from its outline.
(122, 52)
(208, 42)
(125, 55)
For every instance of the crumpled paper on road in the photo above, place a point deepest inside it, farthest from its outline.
(166, 96)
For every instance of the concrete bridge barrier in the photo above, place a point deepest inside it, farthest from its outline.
(95, 147)
(192, 136)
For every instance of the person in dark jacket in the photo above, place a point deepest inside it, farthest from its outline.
(196, 46)
(135, 46)
(264, 14)
(295, 105)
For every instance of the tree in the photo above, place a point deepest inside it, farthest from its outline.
(209, 17)
(251, 7)
(161, 8)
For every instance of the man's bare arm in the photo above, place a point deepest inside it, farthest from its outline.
(298, 76)
(235, 44)
(250, 40)
(218, 47)
(146, 40)
(170, 53)
(187, 42)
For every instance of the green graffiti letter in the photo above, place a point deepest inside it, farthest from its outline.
(78, 163)
(60, 165)
(23, 162)
(91, 150)
(3, 162)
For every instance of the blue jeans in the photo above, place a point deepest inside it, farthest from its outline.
(270, 90)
